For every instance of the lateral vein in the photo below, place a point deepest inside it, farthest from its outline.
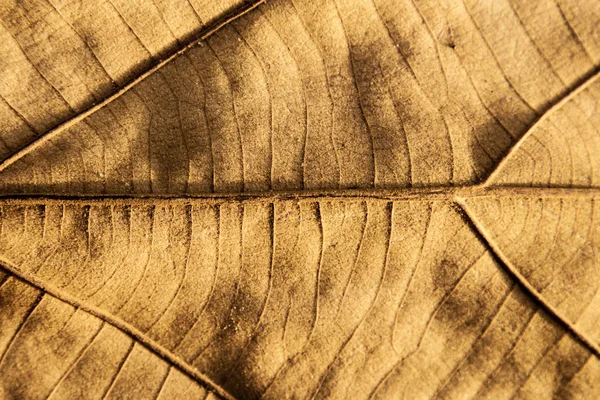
(137, 335)
(52, 133)
(526, 286)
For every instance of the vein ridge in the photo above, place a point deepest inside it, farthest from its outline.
(137, 335)
(205, 33)
(529, 289)
(595, 75)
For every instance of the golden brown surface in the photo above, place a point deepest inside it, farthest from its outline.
(320, 199)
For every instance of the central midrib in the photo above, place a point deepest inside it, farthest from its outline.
(447, 193)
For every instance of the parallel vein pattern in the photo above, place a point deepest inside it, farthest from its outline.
(321, 289)
(306, 298)
(329, 94)
(52, 350)
(554, 243)
(59, 57)
(562, 148)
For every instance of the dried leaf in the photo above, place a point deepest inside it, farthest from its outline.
(360, 198)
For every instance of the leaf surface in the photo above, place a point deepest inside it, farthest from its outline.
(321, 199)
(51, 349)
(300, 296)
(326, 95)
(75, 54)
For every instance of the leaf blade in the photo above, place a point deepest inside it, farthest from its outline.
(268, 124)
(453, 276)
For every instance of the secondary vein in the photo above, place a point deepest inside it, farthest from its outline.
(49, 135)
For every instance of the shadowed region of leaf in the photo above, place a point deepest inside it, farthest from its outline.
(322, 95)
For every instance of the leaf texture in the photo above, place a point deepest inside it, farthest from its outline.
(562, 148)
(319, 199)
(69, 353)
(299, 297)
(75, 54)
(326, 94)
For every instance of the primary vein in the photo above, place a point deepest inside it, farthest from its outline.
(449, 193)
